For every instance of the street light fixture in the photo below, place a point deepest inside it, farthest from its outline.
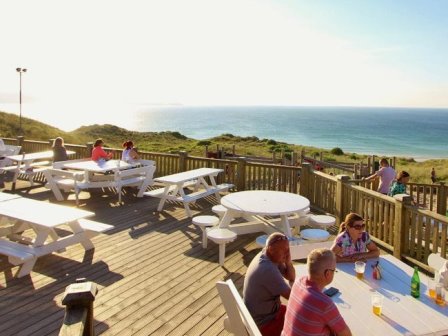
(20, 71)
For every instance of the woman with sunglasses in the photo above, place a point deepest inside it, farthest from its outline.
(353, 242)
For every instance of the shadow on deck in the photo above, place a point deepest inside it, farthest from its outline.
(153, 275)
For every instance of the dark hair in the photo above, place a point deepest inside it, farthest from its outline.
(349, 220)
(401, 175)
(98, 142)
(128, 144)
(384, 160)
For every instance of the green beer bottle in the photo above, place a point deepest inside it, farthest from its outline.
(415, 284)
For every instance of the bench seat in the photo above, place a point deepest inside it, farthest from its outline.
(94, 226)
(160, 191)
(203, 193)
(16, 250)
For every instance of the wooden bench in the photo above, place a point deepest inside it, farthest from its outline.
(19, 254)
(94, 228)
(204, 193)
(238, 320)
(160, 191)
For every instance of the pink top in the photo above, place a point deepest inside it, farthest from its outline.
(311, 312)
(387, 175)
(99, 153)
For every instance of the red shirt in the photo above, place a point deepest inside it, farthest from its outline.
(98, 153)
(311, 312)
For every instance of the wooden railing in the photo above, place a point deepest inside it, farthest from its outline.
(408, 231)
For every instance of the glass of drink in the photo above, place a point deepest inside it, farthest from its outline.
(432, 288)
(440, 294)
(377, 303)
(360, 267)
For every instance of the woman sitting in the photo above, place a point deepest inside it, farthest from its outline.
(399, 186)
(59, 151)
(129, 154)
(353, 243)
(98, 153)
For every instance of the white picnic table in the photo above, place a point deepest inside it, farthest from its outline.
(261, 203)
(402, 314)
(25, 163)
(174, 185)
(42, 217)
(99, 167)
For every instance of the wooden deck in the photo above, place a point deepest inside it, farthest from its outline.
(153, 275)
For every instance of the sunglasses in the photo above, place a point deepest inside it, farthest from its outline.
(358, 227)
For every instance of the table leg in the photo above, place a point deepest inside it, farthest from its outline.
(285, 223)
(166, 193)
(229, 215)
(84, 239)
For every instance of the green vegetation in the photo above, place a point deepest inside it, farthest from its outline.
(174, 141)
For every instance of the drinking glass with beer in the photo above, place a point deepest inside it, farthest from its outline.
(360, 267)
(440, 294)
(432, 288)
(377, 303)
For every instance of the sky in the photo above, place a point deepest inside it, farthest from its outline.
(95, 61)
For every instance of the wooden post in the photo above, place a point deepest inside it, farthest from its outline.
(206, 151)
(241, 174)
(401, 201)
(341, 179)
(78, 299)
(233, 150)
(441, 199)
(293, 159)
(305, 178)
(183, 161)
(321, 156)
(20, 142)
(89, 148)
(302, 155)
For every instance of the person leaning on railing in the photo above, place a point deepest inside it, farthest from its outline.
(352, 242)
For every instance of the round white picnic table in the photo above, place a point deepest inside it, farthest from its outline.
(264, 203)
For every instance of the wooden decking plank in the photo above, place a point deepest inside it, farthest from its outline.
(158, 272)
(174, 287)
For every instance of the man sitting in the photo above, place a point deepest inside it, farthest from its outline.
(309, 311)
(265, 282)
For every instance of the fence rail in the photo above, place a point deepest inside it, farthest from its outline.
(408, 231)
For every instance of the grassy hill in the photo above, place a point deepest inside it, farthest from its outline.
(114, 136)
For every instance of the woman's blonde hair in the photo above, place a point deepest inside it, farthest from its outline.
(58, 142)
(350, 219)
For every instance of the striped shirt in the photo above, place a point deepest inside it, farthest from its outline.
(310, 312)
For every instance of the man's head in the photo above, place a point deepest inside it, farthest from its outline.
(321, 266)
(384, 163)
(277, 248)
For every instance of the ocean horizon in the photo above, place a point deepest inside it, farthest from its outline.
(419, 133)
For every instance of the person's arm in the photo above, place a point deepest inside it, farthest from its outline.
(372, 252)
(289, 270)
(337, 250)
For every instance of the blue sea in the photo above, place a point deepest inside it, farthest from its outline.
(419, 133)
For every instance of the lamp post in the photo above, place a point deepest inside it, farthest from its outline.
(20, 71)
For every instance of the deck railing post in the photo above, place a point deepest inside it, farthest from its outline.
(78, 299)
(305, 179)
(89, 148)
(341, 179)
(241, 174)
(400, 234)
(183, 155)
(441, 199)
(20, 142)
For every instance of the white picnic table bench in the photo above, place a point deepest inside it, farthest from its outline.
(77, 175)
(30, 164)
(174, 185)
(42, 218)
